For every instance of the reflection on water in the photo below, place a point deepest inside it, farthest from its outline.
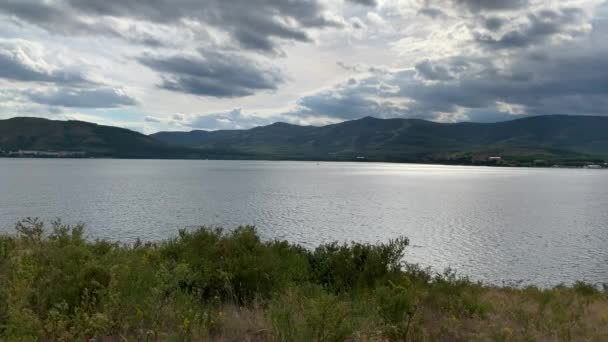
(539, 226)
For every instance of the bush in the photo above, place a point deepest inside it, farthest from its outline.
(235, 266)
(397, 306)
(311, 314)
(356, 266)
(57, 285)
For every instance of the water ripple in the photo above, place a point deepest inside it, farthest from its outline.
(498, 225)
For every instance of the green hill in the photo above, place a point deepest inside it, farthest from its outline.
(551, 138)
(38, 134)
(540, 137)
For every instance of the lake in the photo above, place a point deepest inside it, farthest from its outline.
(497, 225)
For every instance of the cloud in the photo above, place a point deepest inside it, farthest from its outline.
(371, 3)
(82, 98)
(346, 106)
(213, 74)
(24, 61)
(177, 117)
(571, 83)
(428, 71)
(152, 119)
(357, 23)
(567, 77)
(55, 84)
(58, 18)
(375, 19)
(361, 68)
(492, 5)
(431, 12)
(541, 27)
(494, 23)
(350, 100)
(253, 24)
(234, 119)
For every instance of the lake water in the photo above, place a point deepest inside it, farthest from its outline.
(537, 226)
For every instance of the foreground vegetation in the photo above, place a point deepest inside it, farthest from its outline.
(231, 286)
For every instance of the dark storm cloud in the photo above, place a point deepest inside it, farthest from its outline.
(105, 97)
(431, 12)
(254, 24)
(573, 82)
(491, 5)
(372, 3)
(541, 27)
(563, 81)
(17, 65)
(494, 23)
(52, 17)
(38, 12)
(57, 18)
(569, 79)
(213, 74)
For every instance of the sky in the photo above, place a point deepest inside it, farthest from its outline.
(179, 65)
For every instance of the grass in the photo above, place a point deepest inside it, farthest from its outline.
(211, 285)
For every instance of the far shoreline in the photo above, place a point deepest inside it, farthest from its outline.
(582, 165)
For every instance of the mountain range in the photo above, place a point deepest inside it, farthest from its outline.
(549, 137)
(539, 137)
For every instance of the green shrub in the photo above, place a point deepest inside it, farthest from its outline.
(342, 267)
(585, 289)
(236, 266)
(311, 313)
(397, 306)
(56, 285)
(457, 295)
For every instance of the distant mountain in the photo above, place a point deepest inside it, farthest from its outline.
(24, 133)
(551, 138)
(540, 137)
